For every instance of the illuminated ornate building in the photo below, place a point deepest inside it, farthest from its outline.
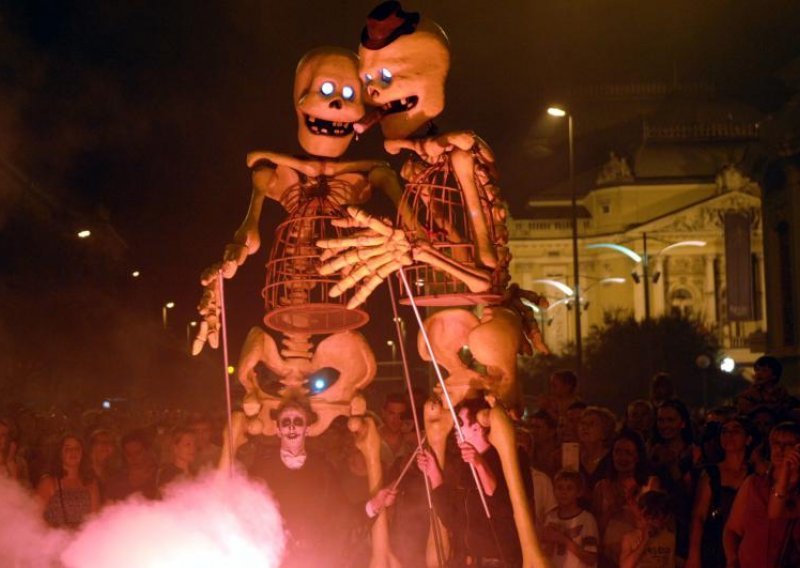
(641, 222)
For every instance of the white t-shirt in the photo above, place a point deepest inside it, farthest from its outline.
(582, 528)
(544, 499)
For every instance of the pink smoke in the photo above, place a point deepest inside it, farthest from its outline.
(215, 521)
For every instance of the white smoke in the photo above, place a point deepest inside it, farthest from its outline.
(25, 539)
(215, 521)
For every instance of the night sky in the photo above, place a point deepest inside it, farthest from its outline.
(133, 119)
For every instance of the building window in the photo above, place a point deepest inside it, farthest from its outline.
(605, 208)
(681, 302)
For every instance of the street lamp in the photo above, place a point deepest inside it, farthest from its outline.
(559, 112)
(164, 308)
(391, 344)
(190, 332)
(644, 260)
(571, 295)
(84, 234)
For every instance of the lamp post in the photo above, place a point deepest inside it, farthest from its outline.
(164, 308)
(190, 327)
(391, 344)
(561, 113)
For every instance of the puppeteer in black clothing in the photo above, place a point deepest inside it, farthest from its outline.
(477, 540)
(317, 517)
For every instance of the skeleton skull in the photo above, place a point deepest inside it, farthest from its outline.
(344, 361)
(404, 62)
(327, 98)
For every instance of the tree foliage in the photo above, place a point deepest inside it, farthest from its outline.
(622, 357)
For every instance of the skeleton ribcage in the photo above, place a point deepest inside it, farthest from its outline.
(433, 209)
(296, 295)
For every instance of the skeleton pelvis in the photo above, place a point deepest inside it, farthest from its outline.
(478, 353)
(343, 363)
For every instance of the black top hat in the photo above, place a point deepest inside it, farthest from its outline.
(386, 23)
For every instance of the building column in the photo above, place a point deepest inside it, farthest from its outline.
(657, 292)
(710, 290)
(762, 289)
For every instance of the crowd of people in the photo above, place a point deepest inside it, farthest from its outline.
(657, 486)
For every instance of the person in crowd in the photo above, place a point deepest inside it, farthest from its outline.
(308, 491)
(102, 450)
(752, 539)
(651, 544)
(596, 430)
(208, 453)
(183, 452)
(640, 418)
(568, 429)
(69, 493)
(562, 392)
(710, 440)
(546, 452)
(569, 533)
(12, 465)
(138, 474)
(766, 389)
(673, 456)
(614, 498)
(661, 389)
(458, 503)
(714, 495)
(396, 442)
(763, 420)
(783, 504)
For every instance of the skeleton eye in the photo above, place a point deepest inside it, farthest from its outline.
(327, 88)
(348, 93)
(386, 75)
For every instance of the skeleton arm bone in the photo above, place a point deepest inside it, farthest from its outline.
(467, 153)
(246, 241)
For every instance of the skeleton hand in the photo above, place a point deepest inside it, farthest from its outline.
(233, 257)
(367, 258)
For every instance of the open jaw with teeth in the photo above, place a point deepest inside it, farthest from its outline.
(328, 127)
(400, 105)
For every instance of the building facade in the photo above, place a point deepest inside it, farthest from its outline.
(698, 241)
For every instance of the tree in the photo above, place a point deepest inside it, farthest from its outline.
(622, 357)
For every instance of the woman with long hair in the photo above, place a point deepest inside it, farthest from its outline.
(674, 456)
(614, 498)
(716, 490)
(69, 493)
(183, 450)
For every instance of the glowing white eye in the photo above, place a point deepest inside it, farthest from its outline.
(386, 75)
(367, 77)
(348, 93)
(327, 88)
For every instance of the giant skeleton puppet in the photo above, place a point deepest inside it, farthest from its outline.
(314, 190)
(449, 240)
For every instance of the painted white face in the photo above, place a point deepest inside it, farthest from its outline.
(292, 429)
(406, 79)
(327, 97)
